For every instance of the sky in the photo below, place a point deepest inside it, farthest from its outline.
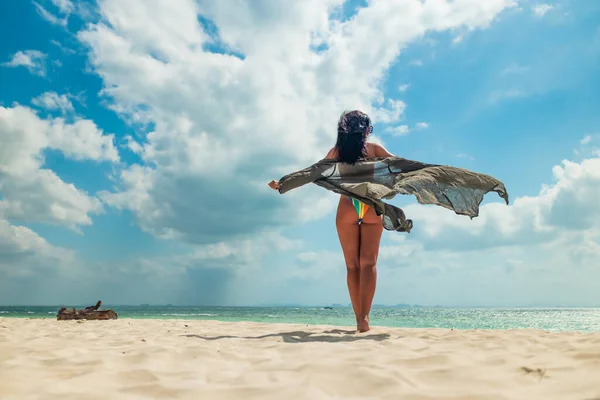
(138, 137)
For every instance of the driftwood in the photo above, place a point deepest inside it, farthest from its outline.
(91, 312)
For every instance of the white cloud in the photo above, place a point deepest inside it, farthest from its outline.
(63, 7)
(588, 146)
(62, 47)
(24, 253)
(539, 10)
(220, 123)
(390, 114)
(551, 239)
(239, 257)
(33, 60)
(134, 146)
(421, 125)
(416, 63)
(33, 193)
(48, 16)
(403, 88)
(53, 101)
(241, 254)
(399, 130)
(570, 204)
(270, 87)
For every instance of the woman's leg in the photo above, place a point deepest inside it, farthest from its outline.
(370, 236)
(349, 233)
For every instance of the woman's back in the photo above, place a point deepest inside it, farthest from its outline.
(371, 150)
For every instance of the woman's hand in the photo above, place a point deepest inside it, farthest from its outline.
(274, 185)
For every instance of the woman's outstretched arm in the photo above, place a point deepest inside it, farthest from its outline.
(331, 155)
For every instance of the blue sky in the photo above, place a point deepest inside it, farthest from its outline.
(139, 140)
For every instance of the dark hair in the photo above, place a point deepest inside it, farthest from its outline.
(353, 128)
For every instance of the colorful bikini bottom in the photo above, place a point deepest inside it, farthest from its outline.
(361, 208)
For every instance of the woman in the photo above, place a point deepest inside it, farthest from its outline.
(359, 237)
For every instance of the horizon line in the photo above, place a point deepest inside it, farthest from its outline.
(290, 305)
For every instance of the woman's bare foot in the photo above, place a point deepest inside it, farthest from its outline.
(357, 324)
(363, 324)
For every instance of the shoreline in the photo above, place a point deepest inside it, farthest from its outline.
(307, 324)
(277, 324)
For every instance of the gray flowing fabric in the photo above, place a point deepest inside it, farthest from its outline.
(372, 180)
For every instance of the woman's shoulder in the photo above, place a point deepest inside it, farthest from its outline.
(333, 153)
(372, 149)
(376, 150)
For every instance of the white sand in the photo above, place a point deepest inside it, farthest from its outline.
(200, 360)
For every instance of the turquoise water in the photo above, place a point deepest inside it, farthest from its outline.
(550, 319)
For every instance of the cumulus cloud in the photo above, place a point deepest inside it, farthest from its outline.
(64, 9)
(53, 101)
(539, 10)
(244, 256)
(24, 253)
(458, 39)
(64, 6)
(62, 47)
(224, 122)
(399, 130)
(403, 88)
(207, 274)
(569, 204)
(231, 97)
(588, 146)
(33, 60)
(48, 16)
(33, 193)
(390, 114)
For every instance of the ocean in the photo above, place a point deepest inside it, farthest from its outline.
(549, 319)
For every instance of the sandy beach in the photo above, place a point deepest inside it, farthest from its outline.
(177, 359)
